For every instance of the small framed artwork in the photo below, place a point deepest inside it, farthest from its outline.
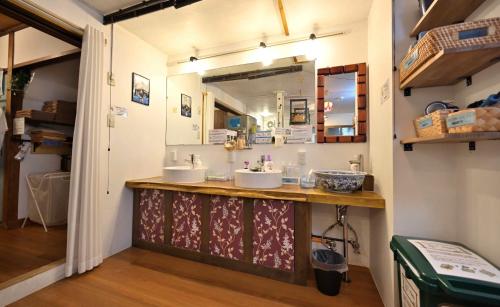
(140, 89)
(299, 113)
(185, 105)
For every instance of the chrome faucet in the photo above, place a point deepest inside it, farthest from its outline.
(190, 160)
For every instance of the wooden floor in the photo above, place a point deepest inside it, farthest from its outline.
(138, 277)
(25, 249)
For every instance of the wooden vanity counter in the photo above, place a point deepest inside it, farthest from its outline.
(266, 232)
(286, 192)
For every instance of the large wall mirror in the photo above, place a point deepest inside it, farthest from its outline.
(342, 104)
(261, 104)
(264, 105)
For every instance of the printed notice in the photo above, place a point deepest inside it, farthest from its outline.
(455, 260)
(18, 126)
(119, 111)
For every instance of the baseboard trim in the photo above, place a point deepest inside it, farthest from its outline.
(30, 282)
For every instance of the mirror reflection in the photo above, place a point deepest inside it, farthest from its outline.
(340, 105)
(250, 103)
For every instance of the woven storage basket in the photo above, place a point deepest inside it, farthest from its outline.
(468, 34)
(432, 124)
(474, 120)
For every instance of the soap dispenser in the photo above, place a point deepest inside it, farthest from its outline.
(268, 165)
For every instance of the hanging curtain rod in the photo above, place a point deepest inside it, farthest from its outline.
(214, 55)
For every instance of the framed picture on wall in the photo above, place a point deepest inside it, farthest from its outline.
(185, 105)
(140, 89)
(299, 113)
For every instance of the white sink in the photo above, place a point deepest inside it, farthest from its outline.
(245, 178)
(184, 174)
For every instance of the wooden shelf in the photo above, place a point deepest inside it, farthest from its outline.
(445, 12)
(450, 66)
(36, 122)
(470, 138)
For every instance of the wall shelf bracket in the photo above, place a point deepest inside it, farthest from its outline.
(408, 147)
(407, 91)
(472, 146)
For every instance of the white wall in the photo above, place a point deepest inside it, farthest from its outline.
(137, 142)
(54, 82)
(182, 129)
(478, 172)
(337, 119)
(381, 144)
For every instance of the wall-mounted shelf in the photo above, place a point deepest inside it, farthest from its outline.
(470, 138)
(445, 12)
(452, 65)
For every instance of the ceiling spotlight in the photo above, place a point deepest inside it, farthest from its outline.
(265, 54)
(196, 65)
(311, 47)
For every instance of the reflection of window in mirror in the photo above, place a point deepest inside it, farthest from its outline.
(340, 105)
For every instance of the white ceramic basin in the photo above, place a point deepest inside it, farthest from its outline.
(184, 174)
(245, 178)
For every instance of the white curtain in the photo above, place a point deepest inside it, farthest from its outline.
(84, 247)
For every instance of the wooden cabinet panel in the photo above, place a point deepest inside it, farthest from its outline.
(151, 216)
(226, 227)
(273, 234)
(186, 221)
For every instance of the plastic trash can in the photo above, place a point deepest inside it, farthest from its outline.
(420, 285)
(328, 268)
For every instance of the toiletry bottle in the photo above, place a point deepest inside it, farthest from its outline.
(268, 165)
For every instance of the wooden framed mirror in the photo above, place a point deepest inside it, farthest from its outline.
(342, 105)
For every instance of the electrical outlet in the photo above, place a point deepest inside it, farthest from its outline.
(111, 120)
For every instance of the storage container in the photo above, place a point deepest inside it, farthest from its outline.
(474, 120)
(472, 34)
(421, 286)
(432, 124)
(50, 192)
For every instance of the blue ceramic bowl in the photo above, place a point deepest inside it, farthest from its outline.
(339, 181)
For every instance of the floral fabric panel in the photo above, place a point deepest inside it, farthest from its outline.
(186, 222)
(226, 227)
(273, 234)
(152, 216)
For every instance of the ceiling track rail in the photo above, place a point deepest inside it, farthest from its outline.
(255, 74)
(143, 8)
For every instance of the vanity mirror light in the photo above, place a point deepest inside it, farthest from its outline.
(259, 103)
(341, 104)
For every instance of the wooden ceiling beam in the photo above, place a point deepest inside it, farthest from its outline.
(12, 29)
(283, 17)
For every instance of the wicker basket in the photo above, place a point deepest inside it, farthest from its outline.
(468, 34)
(474, 120)
(432, 124)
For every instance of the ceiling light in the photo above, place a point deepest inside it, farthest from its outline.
(265, 113)
(265, 54)
(311, 47)
(328, 106)
(196, 65)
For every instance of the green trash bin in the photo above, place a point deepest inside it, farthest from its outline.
(421, 286)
